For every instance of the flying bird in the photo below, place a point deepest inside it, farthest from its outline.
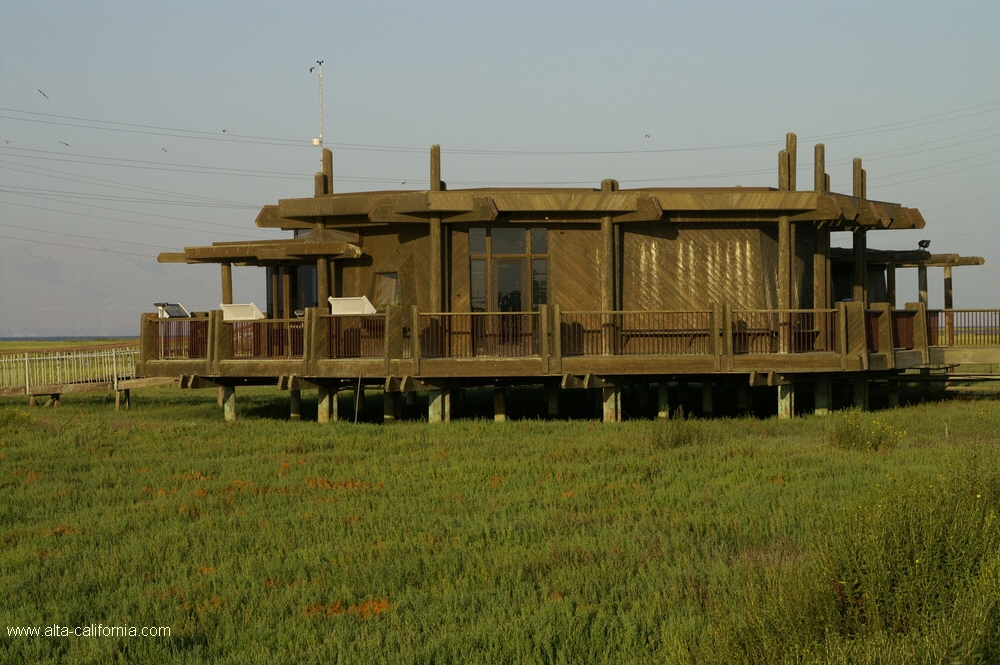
(311, 69)
(163, 149)
(7, 142)
(647, 136)
(66, 144)
(223, 131)
(43, 94)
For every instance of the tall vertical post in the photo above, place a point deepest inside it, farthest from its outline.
(922, 282)
(229, 402)
(744, 398)
(860, 285)
(286, 291)
(823, 393)
(860, 278)
(791, 147)
(328, 171)
(890, 283)
(663, 398)
(227, 283)
(783, 171)
(322, 281)
(294, 404)
(607, 272)
(707, 398)
(786, 401)
(324, 404)
(612, 404)
(949, 304)
(435, 234)
(819, 168)
(784, 280)
(499, 404)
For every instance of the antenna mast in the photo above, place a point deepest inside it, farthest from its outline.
(318, 70)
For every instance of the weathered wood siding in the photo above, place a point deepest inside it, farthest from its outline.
(402, 250)
(575, 267)
(673, 267)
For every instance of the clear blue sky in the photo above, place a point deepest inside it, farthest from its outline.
(142, 92)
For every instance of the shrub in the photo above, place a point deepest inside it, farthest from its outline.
(856, 430)
(11, 418)
(678, 431)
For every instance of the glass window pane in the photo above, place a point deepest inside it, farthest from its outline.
(539, 241)
(539, 283)
(509, 276)
(508, 241)
(477, 241)
(386, 290)
(477, 285)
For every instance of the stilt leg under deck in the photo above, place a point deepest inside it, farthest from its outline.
(612, 404)
(390, 407)
(744, 398)
(663, 400)
(861, 394)
(707, 401)
(893, 395)
(823, 396)
(552, 399)
(295, 405)
(786, 401)
(500, 404)
(229, 402)
(439, 406)
(323, 405)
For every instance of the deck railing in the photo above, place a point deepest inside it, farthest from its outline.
(267, 339)
(636, 333)
(67, 366)
(355, 336)
(479, 335)
(963, 327)
(181, 339)
(784, 331)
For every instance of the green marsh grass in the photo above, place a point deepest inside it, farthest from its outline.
(733, 541)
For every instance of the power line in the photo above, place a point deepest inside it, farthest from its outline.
(92, 249)
(74, 235)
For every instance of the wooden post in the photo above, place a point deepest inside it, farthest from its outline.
(949, 303)
(552, 399)
(861, 393)
(608, 253)
(893, 395)
(783, 162)
(500, 404)
(322, 281)
(227, 283)
(286, 291)
(324, 403)
(819, 168)
(229, 402)
(791, 147)
(860, 280)
(922, 282)
(335, 405)
(275, 311)
(890, 283)
(438, 406)
(328, 170)
(707, 401)
(612, 404)
(784, 281)
(744, 398)
(435, 234)
(390, 406)
(663, 398)
(823, 393)
(786, 401)
(295, 405)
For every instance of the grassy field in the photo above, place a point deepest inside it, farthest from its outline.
(852, 539)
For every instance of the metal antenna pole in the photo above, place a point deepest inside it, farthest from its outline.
(319, 141)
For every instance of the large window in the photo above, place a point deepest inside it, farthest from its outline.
(503, 261)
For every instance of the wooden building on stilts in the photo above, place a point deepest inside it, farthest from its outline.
(604, 289)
